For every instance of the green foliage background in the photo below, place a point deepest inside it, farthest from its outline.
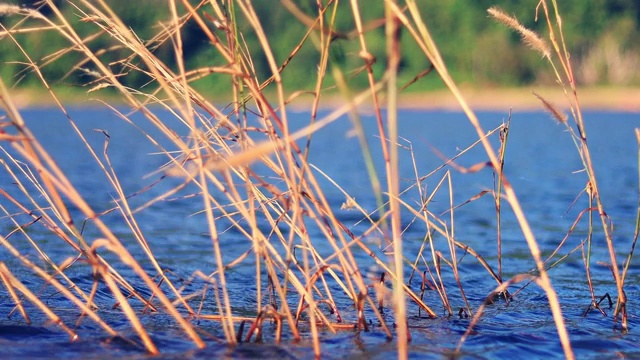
(601, 34)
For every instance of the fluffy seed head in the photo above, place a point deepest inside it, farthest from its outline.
(7, 9)
(552, 109)
(529, 37)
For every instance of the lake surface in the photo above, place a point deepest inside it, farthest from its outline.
(542, 165)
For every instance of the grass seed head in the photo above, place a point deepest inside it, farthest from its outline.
(553, 110)
(8, 9)
(529, 37)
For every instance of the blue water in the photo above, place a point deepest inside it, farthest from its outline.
(542, 165)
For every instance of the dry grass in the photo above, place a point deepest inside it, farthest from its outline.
(529, 38)
(277, 210)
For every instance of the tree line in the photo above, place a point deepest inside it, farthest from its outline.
(600, 35)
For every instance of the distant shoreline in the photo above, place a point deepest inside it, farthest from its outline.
(523, 99)
(489, 99)
(517, 99)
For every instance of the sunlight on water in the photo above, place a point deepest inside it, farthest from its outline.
(541, 165)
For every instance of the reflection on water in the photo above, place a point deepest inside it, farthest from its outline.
(542, 165)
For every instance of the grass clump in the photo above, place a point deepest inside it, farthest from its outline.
(250, 167)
